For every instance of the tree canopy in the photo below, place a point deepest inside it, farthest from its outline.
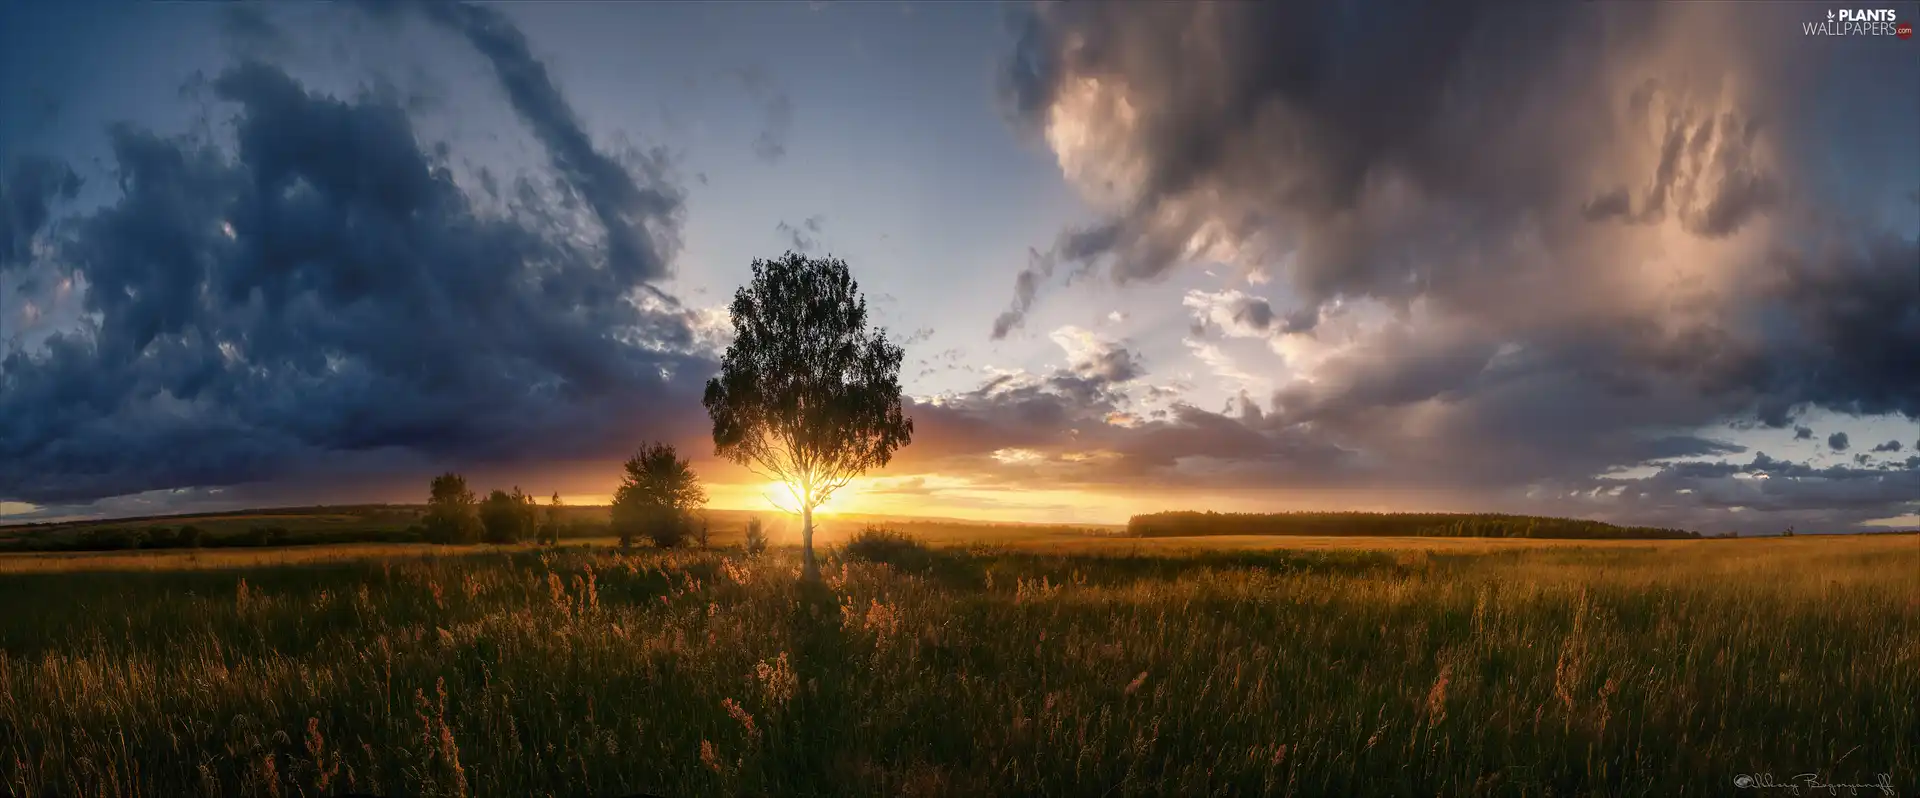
(452, 516)
(808, 394)
(657, 496)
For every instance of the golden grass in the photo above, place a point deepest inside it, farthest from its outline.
(1012, 666)
(203, 559)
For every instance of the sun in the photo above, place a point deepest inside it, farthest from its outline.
(787, 499)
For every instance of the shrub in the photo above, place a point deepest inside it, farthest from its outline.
(191, 537)
(118, 539)
(756, 537)
(666, 528)
(507, 517)
(161, 537)
(880, 544)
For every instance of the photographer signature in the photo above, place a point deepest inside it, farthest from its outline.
(1811, 784)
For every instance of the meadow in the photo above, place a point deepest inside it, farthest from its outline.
(1017, 663)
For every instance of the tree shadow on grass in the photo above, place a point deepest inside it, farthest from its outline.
(810, 748)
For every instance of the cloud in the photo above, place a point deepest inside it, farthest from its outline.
(1889, 446)
(1837, 442)
(1519, 245)
(1092, 357)
(639, 213)
(251, 33)
(1025, 287)
(323, 303)
(1803, 433)
(1464, 180)
(806, 236)
(27, 197)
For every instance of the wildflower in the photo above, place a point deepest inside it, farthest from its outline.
(317, 752)
(881, 619)
(777, 679)
(440, 749)
(556, 592)
(739, 713)
(1134, 686)
(1437, 697)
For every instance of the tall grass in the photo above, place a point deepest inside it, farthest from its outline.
(1657, 670)
(1457, 525)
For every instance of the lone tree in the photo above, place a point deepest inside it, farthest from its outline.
(808, 395)
(550, 528)
(656, 498)
(451, 514)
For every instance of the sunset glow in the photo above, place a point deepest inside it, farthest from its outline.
(1653, 289)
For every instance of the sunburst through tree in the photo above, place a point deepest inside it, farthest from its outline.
(808, 395)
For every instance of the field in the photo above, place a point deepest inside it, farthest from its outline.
(1045, 663)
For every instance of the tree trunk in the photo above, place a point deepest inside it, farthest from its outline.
(811, 567)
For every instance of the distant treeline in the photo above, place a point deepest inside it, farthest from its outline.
(192, 537)
(372, 512)
(1444, 525)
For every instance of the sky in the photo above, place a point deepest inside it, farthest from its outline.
(1640, 262)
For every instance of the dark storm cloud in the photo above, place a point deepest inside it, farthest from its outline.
(1417, 165)
(1838, 442)
(324, 300)
(1803, 433)
(1889, 446)
(1769, 492)
(31, 187)
(251, 33)
(640, 215)
(1513, 242)
(1844, 325)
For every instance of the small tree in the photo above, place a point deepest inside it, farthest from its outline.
(507, 517)
(657, 497)
(807, 395)
(550, 530)
(756, 537)
(451, 514)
